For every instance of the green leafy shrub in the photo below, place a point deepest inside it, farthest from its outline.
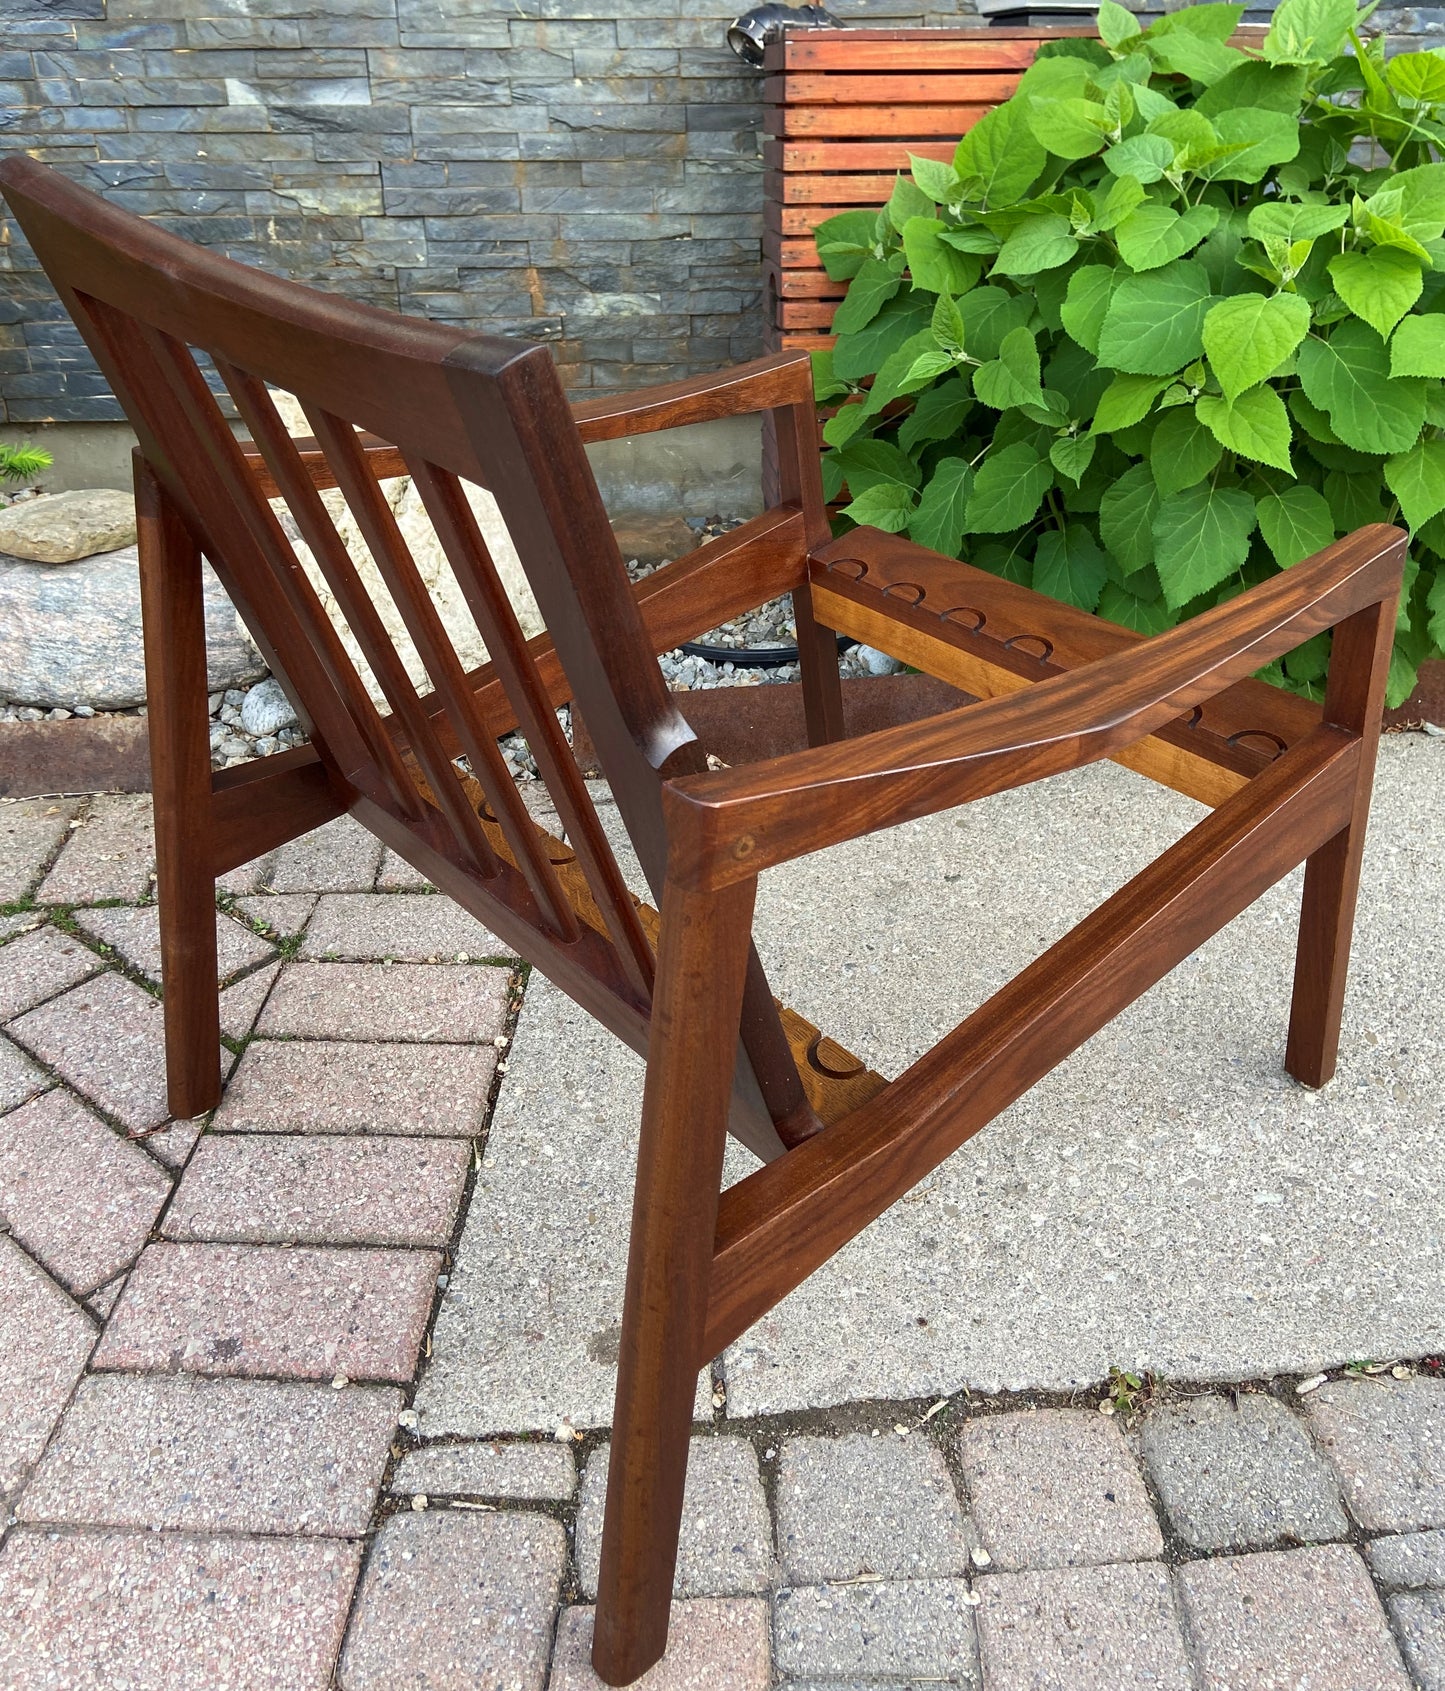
(21, 463)
(1172, 320)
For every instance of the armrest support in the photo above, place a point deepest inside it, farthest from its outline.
(785, 378)
(729, 826)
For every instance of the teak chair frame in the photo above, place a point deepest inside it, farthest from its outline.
(839, 1144)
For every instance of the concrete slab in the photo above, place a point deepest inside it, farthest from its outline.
(1168, 1198)
(528, 1331)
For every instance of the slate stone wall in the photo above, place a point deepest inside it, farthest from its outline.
(584, 172)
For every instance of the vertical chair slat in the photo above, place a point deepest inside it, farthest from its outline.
(132, 353)
(393, 558)
(270, 435)
(456, 525)
(269, 538)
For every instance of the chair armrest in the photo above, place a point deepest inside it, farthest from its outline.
(786, 378)
(729, 826)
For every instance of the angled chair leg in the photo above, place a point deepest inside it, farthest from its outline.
(1355, 700)
(177, 717)
(696, 1005)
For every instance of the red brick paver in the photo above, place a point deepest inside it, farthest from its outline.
(410, 927)
(75, 1194)
(323, 1086)
(713, 1644)
(269, 1310)
(38, 965)
(106, 1039)
(1281, 1620)
(320, 1190)
(453, 1601)
(111, 854)
(215, 1456)
(136, 935)
(403, 1001)
(96, 1611)
(44, 1341)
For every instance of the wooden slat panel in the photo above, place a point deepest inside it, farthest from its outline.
(851, 155)
(808, 284)
(807, 314)
(868, 49)
(903, 121)
(800, 220)
(797, 189)
(915, 89)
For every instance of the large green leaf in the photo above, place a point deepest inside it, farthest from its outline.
(1070, 566)
(938, 523)
(1039, 243)
(1215, 21)
(866, 463)
(885, 505)
(1201, 538)
(1256, 425)
(845, 241)
(1272, 88)
(1417, 348)
(1013, 377)
(872, 288)
(1117, 24)
(1422, 199)
(1071, 455)
(938, 414)
(1348, 376)
(1248, 336)
(934, 178)
(907, 200)
(860, 354)
(1155, 322)
(912, 366)
(1144, 616)
(987, 315)
(1126, 518)
(1001, 151)
(1309, 32)
(1295, 524)
(1263, 139)
(1007, 489)
(1285, 221)
(1126, 401)
(1194, 56)
(1070, 128)
(1155, 235)
(1417, 479)
(1144, 157)
(1182, 451)
(934, 265)
(1086, 302)
(1379, 286)
(1418, 76)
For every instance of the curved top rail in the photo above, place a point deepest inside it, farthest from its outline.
(733, 824)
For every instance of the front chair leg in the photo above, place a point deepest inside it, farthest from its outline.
(173, 613)
(1355, 699)
(696, 1007)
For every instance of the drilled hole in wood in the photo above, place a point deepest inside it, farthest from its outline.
(1022, 642)
(900, 590)
(1269, 745)
(829, 1058)
(854, 568)
(959, 612)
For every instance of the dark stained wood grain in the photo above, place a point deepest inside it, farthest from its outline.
(383, 395)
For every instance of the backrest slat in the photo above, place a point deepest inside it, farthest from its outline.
(456, 526)
(388, 548)
(270, 435)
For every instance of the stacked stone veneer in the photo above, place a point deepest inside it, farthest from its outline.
(584, 172)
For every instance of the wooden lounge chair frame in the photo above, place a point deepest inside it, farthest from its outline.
(1289, 782)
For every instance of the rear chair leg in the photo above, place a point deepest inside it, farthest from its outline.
(696, 1006)
(1355, 700)
(177, 718)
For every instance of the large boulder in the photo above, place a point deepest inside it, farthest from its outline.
(65, 526)
(72, 635)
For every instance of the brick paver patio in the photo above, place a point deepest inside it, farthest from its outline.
(272, 1423)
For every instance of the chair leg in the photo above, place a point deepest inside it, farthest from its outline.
(696, 1005)
(1355, 699)
(175, 651)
